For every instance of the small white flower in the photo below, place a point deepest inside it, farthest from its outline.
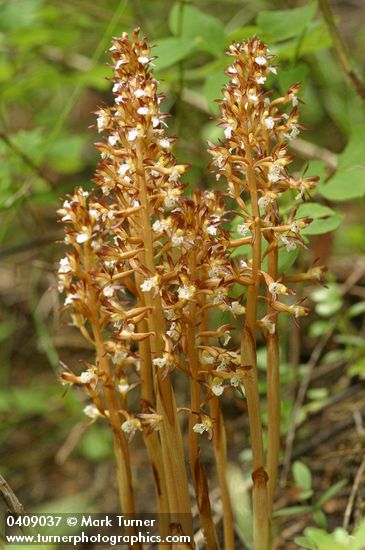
(70, 298)
(186, 292)
(217, 387)
(102, 122)
(136, 204)
(130, 426)
(120, 62)
(123, 386)
(160, 225)
(294, 227)
(243, 229)
(143, 110)
(228, 131)
(140, 93)
(252, 97)
(87, 376)
(237, 308)
(155, 121)
(264, 201)
(143, 59)
(298, 311)
(82, 237)
(232, 70)
(123, 168)
(108, 291)
(202, 427)
(269, 123)
(277, 288)
(260, 60)
(226, 337)
(174, 332)
(92, 412)
(64, 266)
(132, 134)
(288, 243)
(148, 284)
(116, 87)
(112, 140)
(206, 358)
(160, 362)
(273, 70)
(274, 174)
(261, 79)
(211, 230)
(236, 380)
(178, 238)
(165, 143)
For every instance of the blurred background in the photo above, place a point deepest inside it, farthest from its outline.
(53, 75)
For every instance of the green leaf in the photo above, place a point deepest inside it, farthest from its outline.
(279, 25)
(315, 39)
(302, 475)
(349, 180)
(359, 537)
(358, 369)
(345, 185)
(305, 542)
(212, 88)
(96, 444)
(320, 518)
(324, 218)
(287, 77)
(65, 154)
(331, 492)
(171, 50)
(292, 511)
(356, 309)
(241, 504)
(205, 31)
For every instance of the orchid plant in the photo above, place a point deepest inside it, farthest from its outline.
(149, 270)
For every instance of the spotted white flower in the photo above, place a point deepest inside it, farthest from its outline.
(206, 358)
(108, 291)
(242, 229)
(237, 308)
(226, 337)
(228, 131)
(83, 236)
(123, 386)
(274, 174)
(186, 292)
(160, 225)
(277, 288)
(217, 386)
(65, 266)
(70, 299)
(266, 323)
(289, 244)
(178, 237)
(211, 230)
(132, 134)
(143, 59)
(261, 79)
(174, 331)
(92, 412)
(131, 426)
(252, 97)
(260, 60)
(112, 140)
(143, 110)
(140, 93)
(87, 376)
(298, 311)
(204, 426)
(160, 362)
(273, 70)
(149, 284)
(236, 379)
(102, 122)
(165, 143)
(264, 201)
(120, 62)
(123, 168)
(269, 122)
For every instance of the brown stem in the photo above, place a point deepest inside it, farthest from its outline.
(171, 438)
(341, 50)
(249, 361)
(273, 391)
(196, 467)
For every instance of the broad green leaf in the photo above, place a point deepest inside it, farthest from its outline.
(358, 369)
(305, 542)
(349, 180)
(356, 309)
(346, 184)
(302, 475)
(280, 25)
(331, 492)
(65, 154)
(316, 38)
(212, 88)
(205, 31)
(287, 77)
(321, 539)
(171, 50)
(292, 511)
(241, 504)
(358, 542)
(324, 218)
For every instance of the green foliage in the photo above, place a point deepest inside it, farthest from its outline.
(340, 539)
(280, 25)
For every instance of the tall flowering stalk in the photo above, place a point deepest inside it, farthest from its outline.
(148, 266)
(254, 160)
